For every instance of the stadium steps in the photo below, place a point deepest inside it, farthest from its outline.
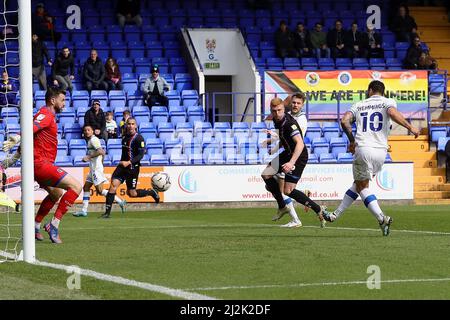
(431, 201)
(432, 195)
(432, 187)
(429, 180)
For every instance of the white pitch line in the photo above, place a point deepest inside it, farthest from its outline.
(253, 226)
(177, 293)
(317, 284)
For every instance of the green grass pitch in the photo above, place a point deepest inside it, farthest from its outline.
(242, 254)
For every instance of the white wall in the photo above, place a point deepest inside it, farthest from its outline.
(224, 52)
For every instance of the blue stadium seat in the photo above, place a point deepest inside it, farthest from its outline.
(177, 114)
(196, 158)
(215, 158)
(309, 63)
(274, 63)
(442, 142)
(438, 132)
(360, 63)
(192, 147)
(159, 114)
(343, 63)
(235, 159)
(345, 157)
(313, 158)
(377, 63)
(331, 130)
(388, 158)
(327, 158)
(179, 159)
(320, 145)
(189, 97)
(165, 130)
(313, 130)
(159, 159)
(195, 113)
(64, 161)
(173, 146)
(338, 145)
(393, 64)
(185, 131)
(154, 146)
(326, 63)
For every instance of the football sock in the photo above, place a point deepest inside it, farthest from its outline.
(371, 202)
(109, 202)
(350, 196)
(273, 187)
(116, 198)
(45, 207)
(290, 205)
(300, 197)
(143, 193)
(55, 222)
(86, 198)
(66, 201)
(37, 225)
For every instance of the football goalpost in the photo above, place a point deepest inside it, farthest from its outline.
(14, 228)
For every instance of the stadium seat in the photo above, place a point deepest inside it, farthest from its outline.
(195, 113)
(235, 159)
(330, 130)
(64, 161)
(313, 130)
(159, 159)
(442, 142)
(159, 114)
(154, 146)
(338, 145)
(345, 157)
(437, 132)
(196, 158)
(320, 145)
(215, 158)
(313, 158)
(327, 158)
(173, 146)
(179, 159)
(165, 130)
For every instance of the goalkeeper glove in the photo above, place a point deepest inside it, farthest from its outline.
(11, 142)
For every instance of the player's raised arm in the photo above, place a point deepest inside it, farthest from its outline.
(398, 118)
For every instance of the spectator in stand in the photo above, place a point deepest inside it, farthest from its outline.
(336, 41)
(302, 41)
(427, 62)
(113, 76)
(8, 91)
(43, 26)
(94, 73)
(63, 71)
(413, 55)
(95, 117)
(319, 42)
(39, 51)
(284, 42)
(371, 43)
(123, 128)
(154, 88)
(111, 126)
(354, 40)
(403, 25)
(129, 11)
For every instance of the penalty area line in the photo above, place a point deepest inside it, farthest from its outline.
(177, 293)
(317, 284)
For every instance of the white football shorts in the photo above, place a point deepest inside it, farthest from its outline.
(367, 162)
(96, 177)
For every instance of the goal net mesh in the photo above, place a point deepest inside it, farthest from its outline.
(10, 217)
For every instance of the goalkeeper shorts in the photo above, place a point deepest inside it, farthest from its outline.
(47, 174)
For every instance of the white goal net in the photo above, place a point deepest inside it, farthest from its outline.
(10, 217)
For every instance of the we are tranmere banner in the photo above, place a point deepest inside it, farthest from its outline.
(324, 88)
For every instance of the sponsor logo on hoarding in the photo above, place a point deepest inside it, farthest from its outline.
(385, 180)
(186, 182)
